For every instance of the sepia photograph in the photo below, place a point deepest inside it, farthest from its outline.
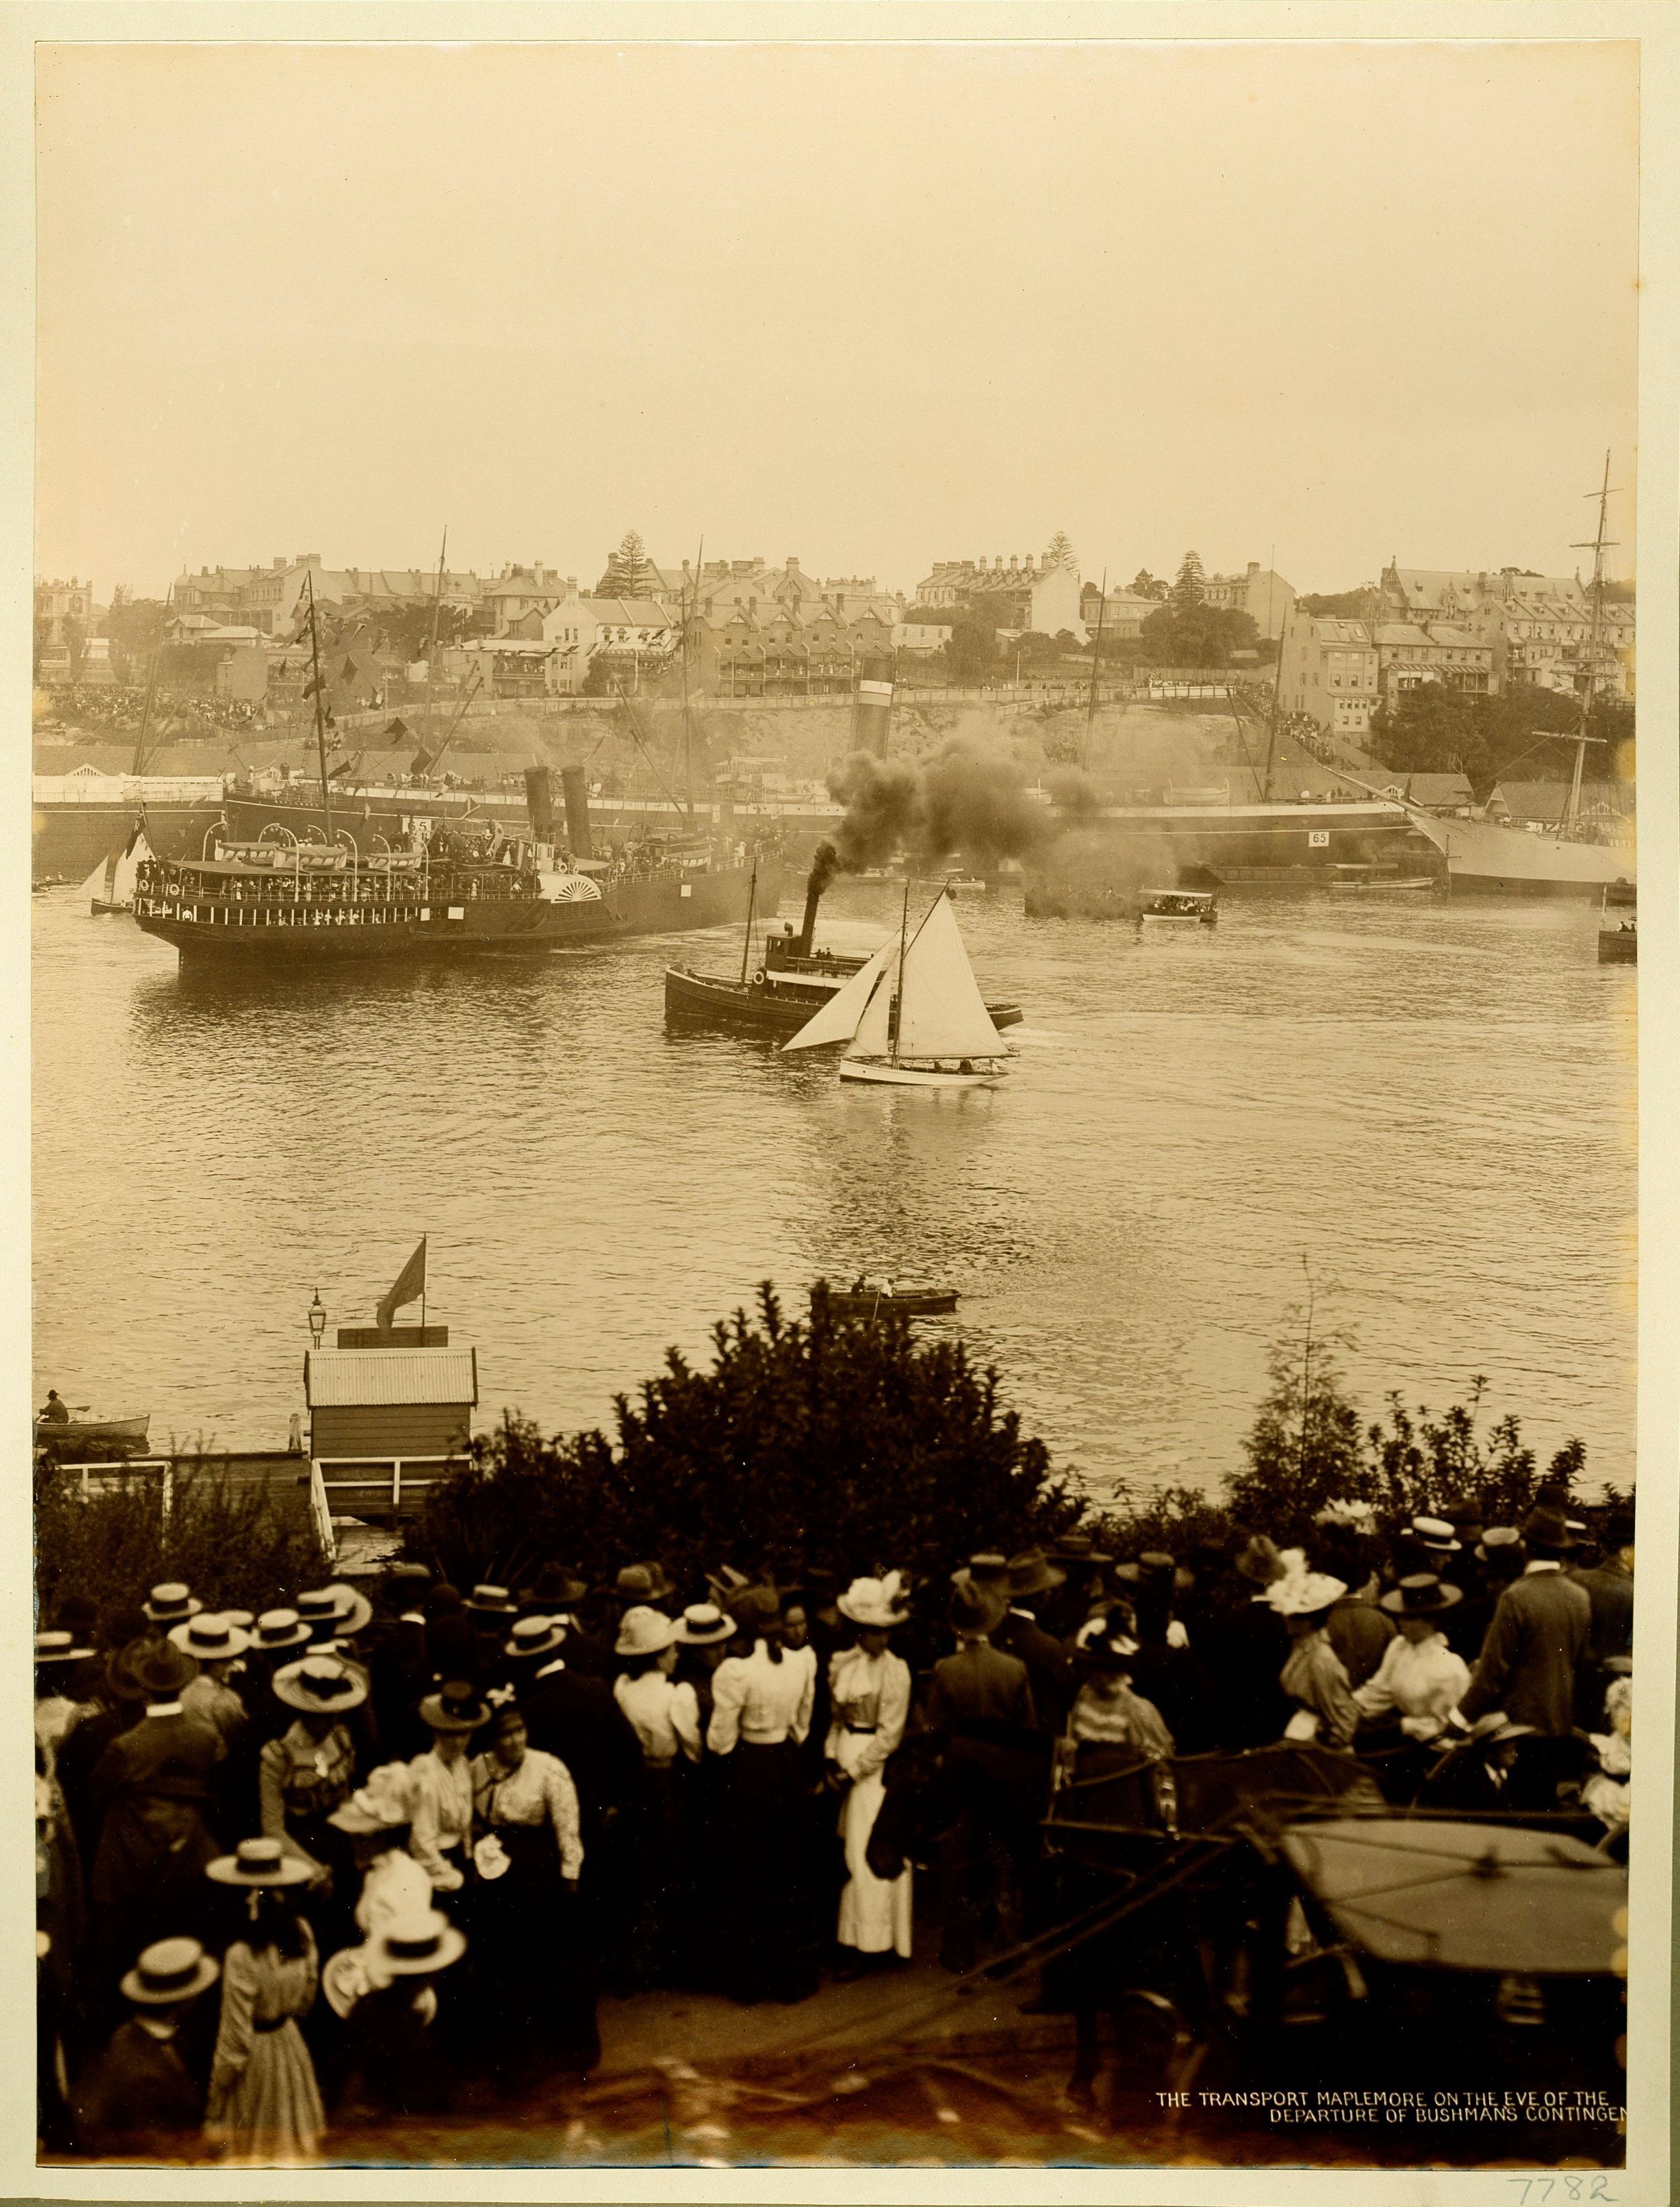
(834, 1173)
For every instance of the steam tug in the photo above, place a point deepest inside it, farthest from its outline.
(793, 981)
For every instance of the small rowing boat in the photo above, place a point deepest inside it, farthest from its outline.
(874, 1298)
(78, 1439)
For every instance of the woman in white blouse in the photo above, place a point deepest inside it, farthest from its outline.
(664, 1716)
(1419, 1678)
(528, 1856)
(869, 1689)
(443, 1786)
(761, 1712)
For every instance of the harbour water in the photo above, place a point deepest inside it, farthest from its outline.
(1430, 1102)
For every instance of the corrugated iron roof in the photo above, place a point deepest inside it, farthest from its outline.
(343, 1379)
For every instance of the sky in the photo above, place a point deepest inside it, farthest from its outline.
(868, 306)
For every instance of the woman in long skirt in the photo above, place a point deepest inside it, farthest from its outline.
(264, 2105)
(537, 2007)
(869, 1689)
(761, 1712)
(664, 1716)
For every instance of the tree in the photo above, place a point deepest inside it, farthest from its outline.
(832, 1444)
(1198, 635)
(1424, 1464)
(75, 633)
(972, 654)
(1188, 590)
(629, 571)
(1059, 552)
(1339, 605)
(1303, 1449)
(1436, 729)
(1145, 585)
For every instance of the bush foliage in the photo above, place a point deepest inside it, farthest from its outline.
(832, 1444)
(228, 1542)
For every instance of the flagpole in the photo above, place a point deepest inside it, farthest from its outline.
(423, 1292)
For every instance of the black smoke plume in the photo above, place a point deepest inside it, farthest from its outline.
(1074, 794)
(883, 808)
(975, 802)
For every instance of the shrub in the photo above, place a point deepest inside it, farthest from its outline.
(230, 1543)
(832, 1444)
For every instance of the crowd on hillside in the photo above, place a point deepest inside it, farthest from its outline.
(77, 707)
(345, 1858)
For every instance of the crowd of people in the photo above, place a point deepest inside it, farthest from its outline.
(345, 1858)
(121, 708)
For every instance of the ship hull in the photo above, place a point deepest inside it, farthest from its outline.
(296, 936)
(1486, 859)
(69, 840)
(749, 1008)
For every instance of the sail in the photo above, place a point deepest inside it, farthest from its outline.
(942, 1013)
(127, 866)
(874, 1036)
(837, 1020)
(94, 886)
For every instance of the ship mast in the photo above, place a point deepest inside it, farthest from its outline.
(1096, 664)
(320, 724)
(690, 615)
(139, 767)
(1598, 545)
(432, 649)
(904, 942)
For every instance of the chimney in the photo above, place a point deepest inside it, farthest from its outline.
(802, 941)
(576, 790)
(1253, 567)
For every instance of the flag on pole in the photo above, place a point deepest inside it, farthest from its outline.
(407, 1287)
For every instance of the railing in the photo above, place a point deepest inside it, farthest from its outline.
(388, 1487)
(107, 1474)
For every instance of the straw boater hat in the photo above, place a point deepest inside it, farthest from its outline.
(643, 1631)
(875, 1604)
(1420, 1595)
(321, 1685)
(535, 1635)
(1303, 1594)
(1077, 1548)
(329, 1610)
(259, 1862)
(702, 1624)
(209, 1639)
(454, 1708)
(385, 1804)
(59, 1647)
(171, 1603)
(172, 1970)
(1157, 1566)
(279, 1628)
(487, 1601)
(1498, 1543)
(1436, 1535)
(414, 1947)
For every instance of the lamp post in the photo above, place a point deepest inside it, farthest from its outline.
(317, 1319)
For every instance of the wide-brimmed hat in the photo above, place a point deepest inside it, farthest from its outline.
(1463, 1515)
(535, 1635)
(209, 1638)
(59, 1647)
(454, 1708)
(1303, 1594)
(1032, 1572)
(171, 1603)
(1420, 1595)
(1436, 1535)
(1106, 1651)
(1549, 1527)
(413, 1945)
(279, 1628)
(322, 1684)
(169, 1971)
(1495, 1728)
(702, 1624)
(976, 1606)
(875, 1604)
(726, 1585)
(1078, 1548)
(644, 1582)
(557, 1589)
(1157, 1568)
(989, 1567)
(643, 1631)
(339, 1607)
(120, 1676)
(1617, 1530)
(488, 1600)
(162, 1670)
(1351, 1516)
(259, 1862)
(385, 1804)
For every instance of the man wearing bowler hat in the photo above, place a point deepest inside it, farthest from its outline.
(1537, 1638)
(1027, 1578)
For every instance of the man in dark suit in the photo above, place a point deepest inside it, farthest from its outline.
(1537, 1638)
(1609, 1587)
(1028, 1576)
(139, 2094)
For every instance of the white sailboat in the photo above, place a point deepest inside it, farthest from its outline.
(110, 886)
(913, 1015)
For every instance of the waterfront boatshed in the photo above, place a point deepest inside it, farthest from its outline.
(369, 1403)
